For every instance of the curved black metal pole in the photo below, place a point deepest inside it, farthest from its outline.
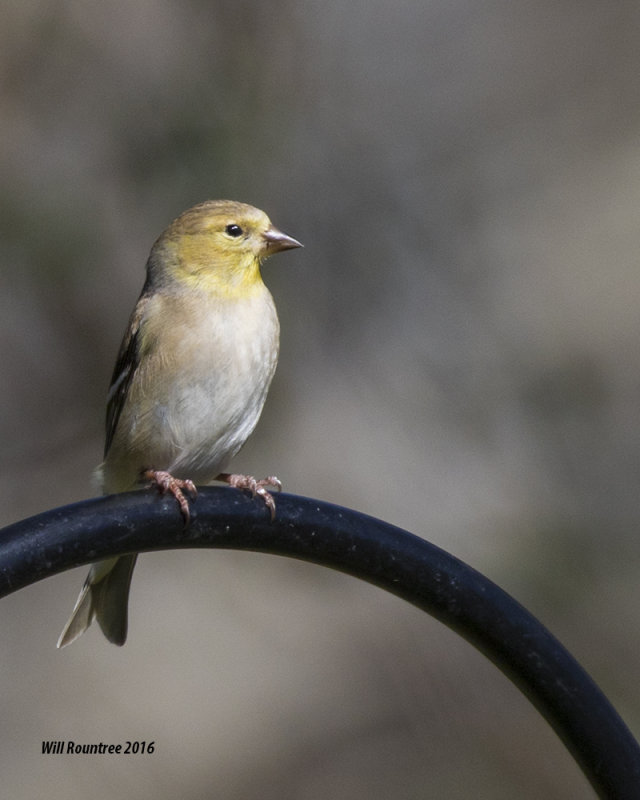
(367, 548)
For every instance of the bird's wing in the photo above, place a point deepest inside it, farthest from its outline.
(127, 363)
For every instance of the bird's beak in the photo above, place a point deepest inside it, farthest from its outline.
(277, 241)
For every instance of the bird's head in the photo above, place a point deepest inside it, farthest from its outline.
(217, 246)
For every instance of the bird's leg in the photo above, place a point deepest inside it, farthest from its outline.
(256, 487)
(167, 483)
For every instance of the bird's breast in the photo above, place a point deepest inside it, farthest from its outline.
(200, 387)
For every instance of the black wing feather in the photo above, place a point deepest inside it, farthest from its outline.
(126, 365)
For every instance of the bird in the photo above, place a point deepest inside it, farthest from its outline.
(190, 379)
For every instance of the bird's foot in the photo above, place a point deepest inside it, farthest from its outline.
(167, 483)
(256, 487)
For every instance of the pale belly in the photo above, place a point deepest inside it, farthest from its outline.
(193, 424)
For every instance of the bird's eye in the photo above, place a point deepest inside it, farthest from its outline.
(233, 230)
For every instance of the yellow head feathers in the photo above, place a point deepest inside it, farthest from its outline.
(217, 246)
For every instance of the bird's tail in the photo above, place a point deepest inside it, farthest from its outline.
(105, 597)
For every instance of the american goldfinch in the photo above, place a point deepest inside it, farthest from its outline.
(190, 380)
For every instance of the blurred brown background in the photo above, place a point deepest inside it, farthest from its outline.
(459, 357)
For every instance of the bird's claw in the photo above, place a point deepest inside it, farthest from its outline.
(255, 486)
(176, 486)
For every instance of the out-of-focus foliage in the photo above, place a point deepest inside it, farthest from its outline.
(459, 356)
